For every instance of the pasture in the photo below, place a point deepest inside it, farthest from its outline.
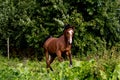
(24, 25)
(102, 68)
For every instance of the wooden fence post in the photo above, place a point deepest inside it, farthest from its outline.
(8, 48)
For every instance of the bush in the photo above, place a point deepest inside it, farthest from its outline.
(28, 22)
(95, 68)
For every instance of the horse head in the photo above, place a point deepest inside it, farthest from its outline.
(68, 33)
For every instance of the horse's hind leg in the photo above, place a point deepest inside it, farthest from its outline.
(51, 58)
(47, 59)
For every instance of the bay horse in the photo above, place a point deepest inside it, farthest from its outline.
(57, 46)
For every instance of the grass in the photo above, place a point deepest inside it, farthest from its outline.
(106, 67)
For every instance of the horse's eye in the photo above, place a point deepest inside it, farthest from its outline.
(67, 32)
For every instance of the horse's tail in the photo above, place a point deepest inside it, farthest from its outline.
(45, 40)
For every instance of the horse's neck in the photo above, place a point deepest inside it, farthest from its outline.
(65, 41)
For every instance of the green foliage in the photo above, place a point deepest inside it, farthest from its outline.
(28, 22)
(96, 25)
(106, 67)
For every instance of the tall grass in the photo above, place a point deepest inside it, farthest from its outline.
(91, 67)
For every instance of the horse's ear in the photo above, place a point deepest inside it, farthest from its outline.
(73, 27)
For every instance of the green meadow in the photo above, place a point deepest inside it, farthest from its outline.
(95, 68)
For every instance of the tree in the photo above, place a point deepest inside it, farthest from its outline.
(28, 22)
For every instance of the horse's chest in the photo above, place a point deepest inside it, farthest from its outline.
(65, 49)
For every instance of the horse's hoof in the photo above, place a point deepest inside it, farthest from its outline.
(70, 65)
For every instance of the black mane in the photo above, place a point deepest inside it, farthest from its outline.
(67, 26)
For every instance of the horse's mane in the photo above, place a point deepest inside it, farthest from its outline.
(67, 26)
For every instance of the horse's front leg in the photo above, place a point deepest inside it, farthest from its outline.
(70, 57)
(59, 55)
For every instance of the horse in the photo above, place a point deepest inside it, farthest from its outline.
(57, 46)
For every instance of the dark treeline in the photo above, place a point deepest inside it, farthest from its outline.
(28, 22)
